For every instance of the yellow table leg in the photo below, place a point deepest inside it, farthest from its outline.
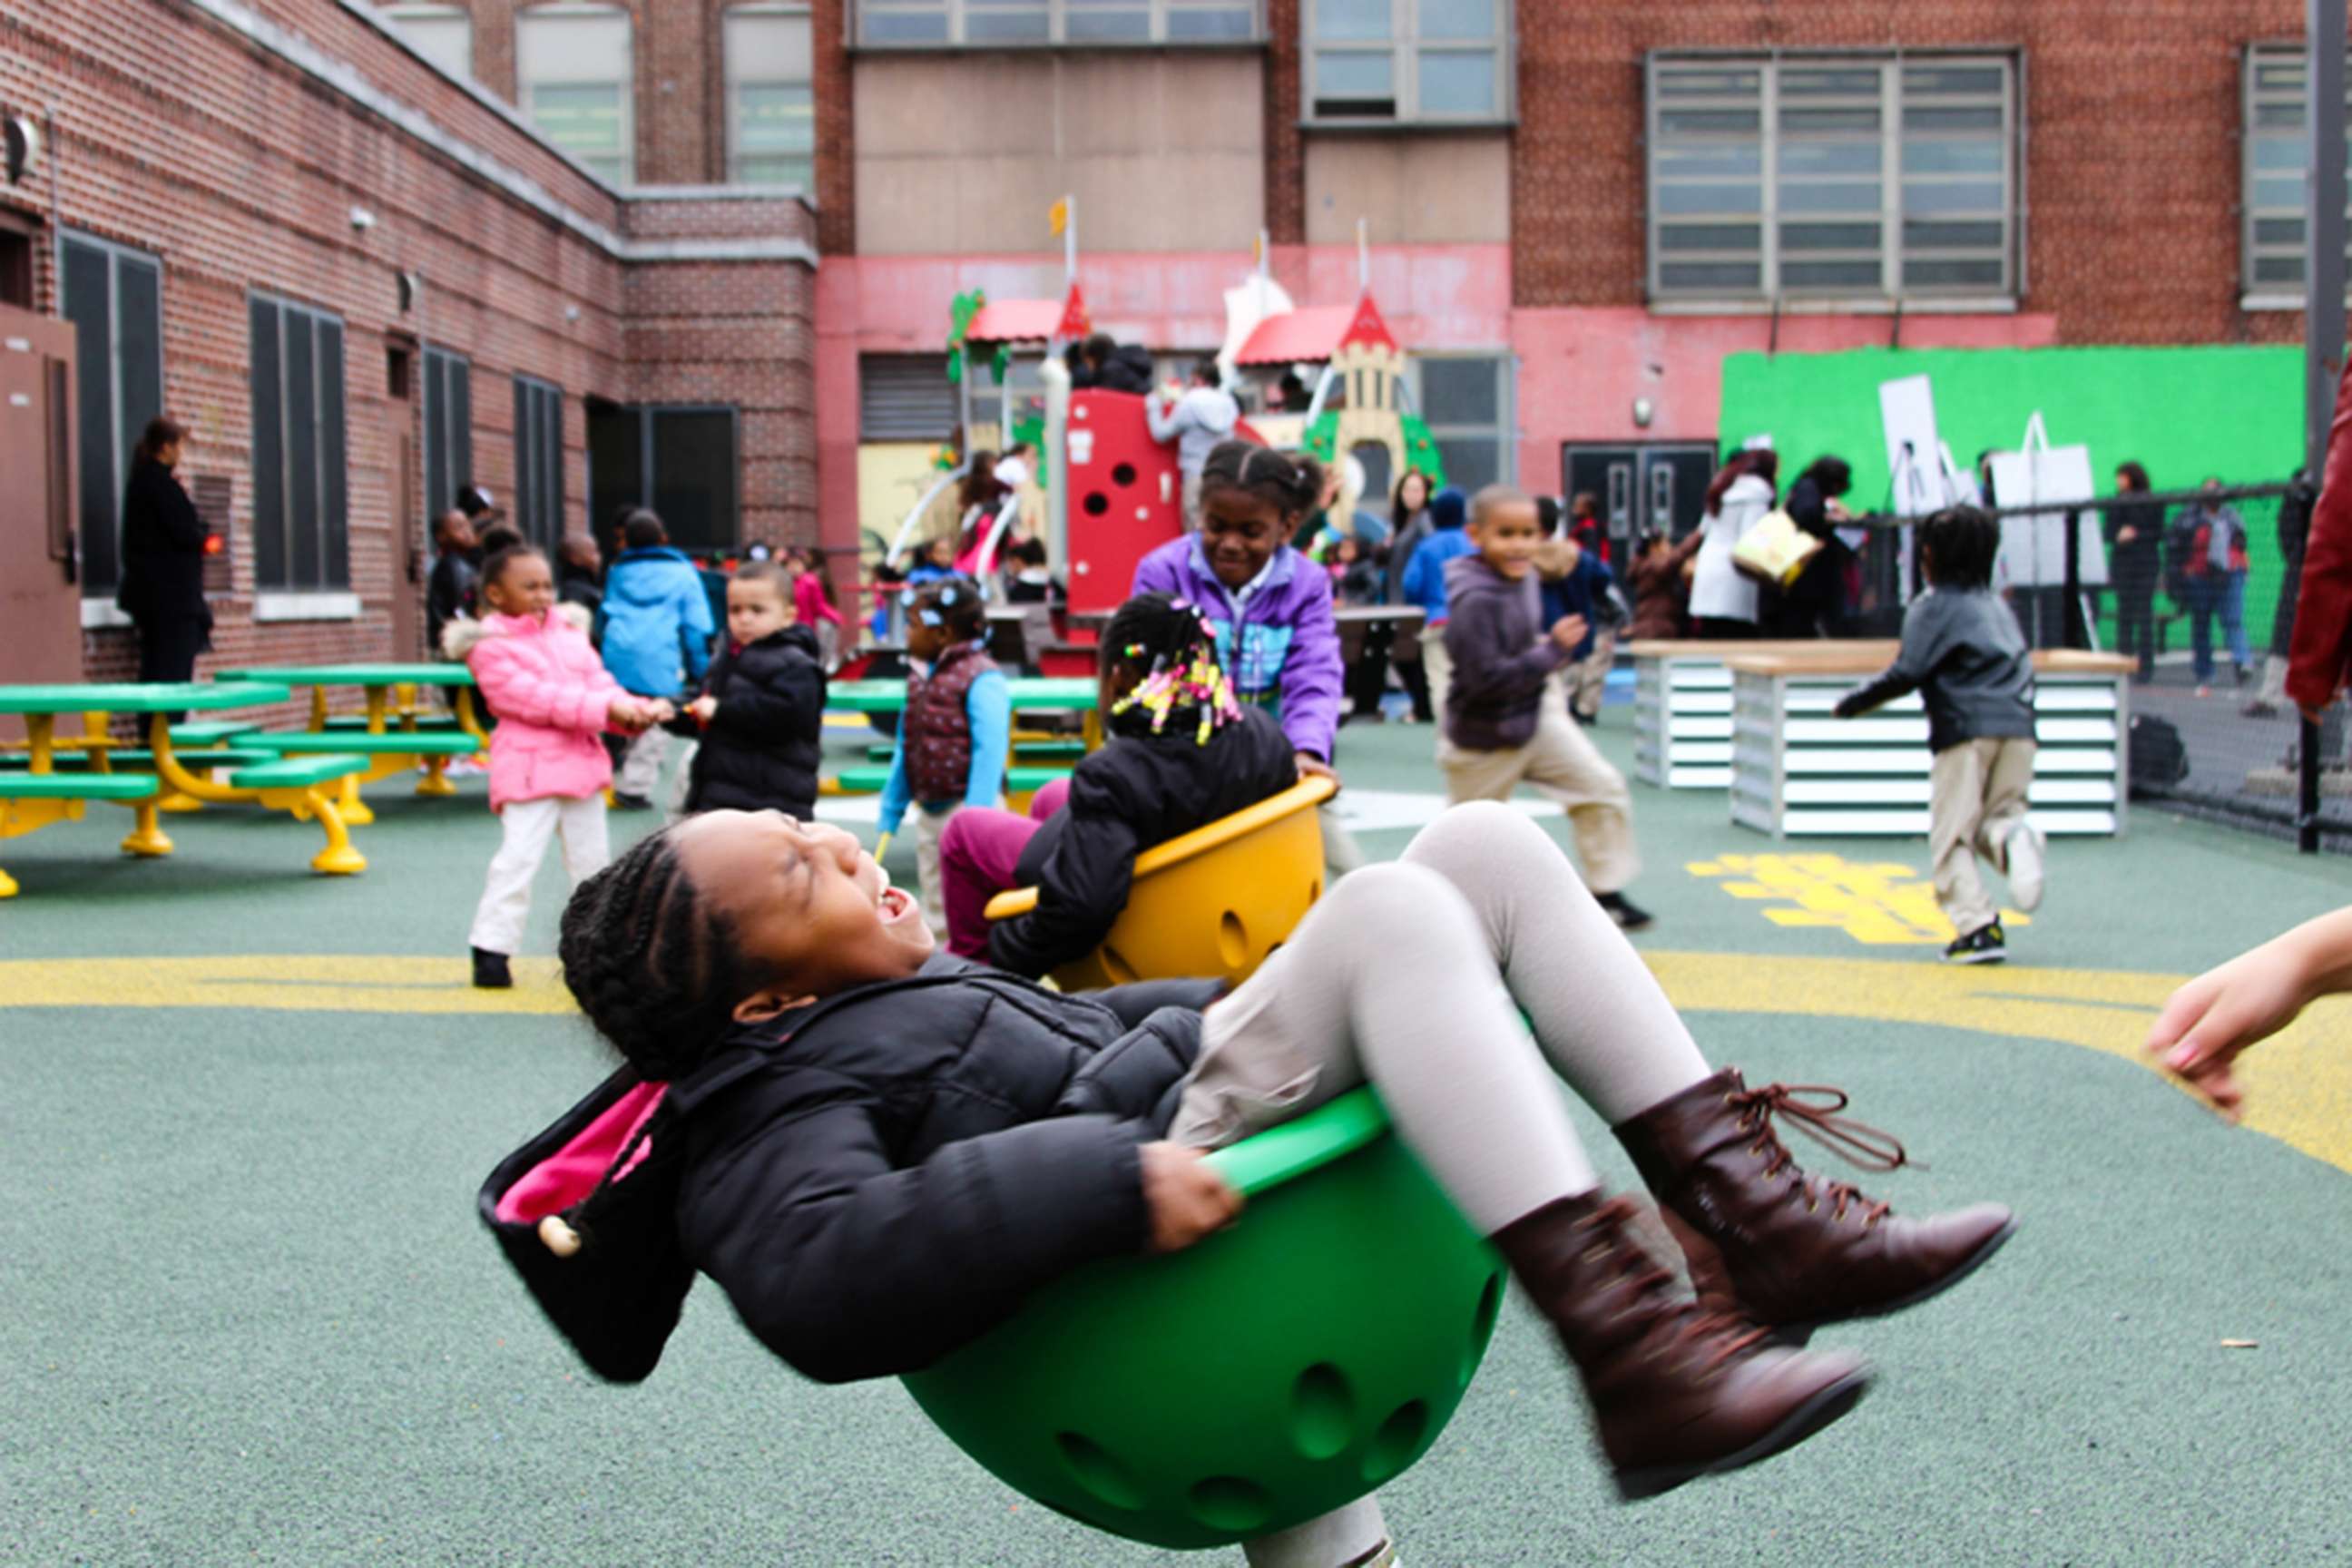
(466, 719)
(180, 804)
(435, 782)
(146, 834)
(351, 808)
(41, 738)
(7, 886)
(1091, 731)
(339, 859)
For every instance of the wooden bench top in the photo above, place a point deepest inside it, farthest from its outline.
(1869, 658)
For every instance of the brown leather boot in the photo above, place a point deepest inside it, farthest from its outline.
(1676, 1392)
(1799, 1251)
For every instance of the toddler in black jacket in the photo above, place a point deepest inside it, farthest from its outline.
(1184, 753)
(760, 713)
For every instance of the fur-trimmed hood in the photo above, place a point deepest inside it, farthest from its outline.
(462, 635)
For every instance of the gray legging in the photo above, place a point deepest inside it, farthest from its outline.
(1406, 975)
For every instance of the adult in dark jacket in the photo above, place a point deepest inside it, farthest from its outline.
(760, 713)
(449, 589)
(2135, 531)
(1815, 606)
(1104, 365)
(579, 572)
(163, 587)
(2293, 536)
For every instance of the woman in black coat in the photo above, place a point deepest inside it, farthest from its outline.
(1815, 606)
(2136, 560)
(163, 587)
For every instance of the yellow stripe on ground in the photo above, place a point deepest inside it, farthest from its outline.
(2299, 1085)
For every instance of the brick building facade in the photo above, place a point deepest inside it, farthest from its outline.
(1535, 183)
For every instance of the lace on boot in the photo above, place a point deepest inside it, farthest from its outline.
(1716, 1335)
(1857, 1141)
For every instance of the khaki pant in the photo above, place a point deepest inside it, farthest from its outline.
(1979, 801)
(1561, 763)
(1589, 679)
(1439, 665)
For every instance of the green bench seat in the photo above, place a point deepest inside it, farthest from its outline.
(1019, 781)
(298, 772)
(392, 743)
(209, 731)
(76, 785)
(1038, 750)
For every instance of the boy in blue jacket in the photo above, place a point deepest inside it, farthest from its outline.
(656, 639)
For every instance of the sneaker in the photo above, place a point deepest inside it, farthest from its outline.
(1983, 945)
(2259, 708)
(631, 803)
(490, 970)
(2027, 864)
(1629, 916)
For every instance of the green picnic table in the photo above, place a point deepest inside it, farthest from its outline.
(392, 739)
(39, 795)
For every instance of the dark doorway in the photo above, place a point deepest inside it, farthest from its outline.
(1660, 486)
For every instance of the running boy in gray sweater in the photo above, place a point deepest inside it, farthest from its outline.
(1963, 653)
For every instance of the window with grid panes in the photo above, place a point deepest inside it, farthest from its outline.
(1407, 60)
(301, 495)
(770, 102)
(1839, 177)
(918, 24)
(114, 297)
(1466, 401)
(572, 63)
(2277, 159)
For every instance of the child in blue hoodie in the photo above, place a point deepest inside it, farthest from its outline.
(656, 639)
(1424, 584)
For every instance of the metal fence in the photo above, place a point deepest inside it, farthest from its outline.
(2213, 733)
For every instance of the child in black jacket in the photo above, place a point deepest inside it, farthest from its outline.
(1184, 753)
(762, 710)
(880, 1153)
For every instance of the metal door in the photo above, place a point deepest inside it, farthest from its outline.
(408, 539)
(40, 601)
(1640, 489)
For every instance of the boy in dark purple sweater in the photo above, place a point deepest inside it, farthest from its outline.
(1506, 715)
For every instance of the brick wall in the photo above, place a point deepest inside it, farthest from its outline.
(180, 137)
(2132, 120)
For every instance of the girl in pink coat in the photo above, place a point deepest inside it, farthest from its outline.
(549, 690)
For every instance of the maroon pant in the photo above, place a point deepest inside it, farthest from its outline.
(978, 849)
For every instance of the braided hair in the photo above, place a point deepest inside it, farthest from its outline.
(1168, 648)
(1292, 483)
(496, 562)
(653, 966)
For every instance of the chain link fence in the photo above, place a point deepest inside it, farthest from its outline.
(2199, 586)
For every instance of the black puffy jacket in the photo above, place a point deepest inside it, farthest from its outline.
(1127, 368)
(1138, 791)
(762, 745)
(874, 1179)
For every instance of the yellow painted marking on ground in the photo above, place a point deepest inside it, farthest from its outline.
(332, 983)
(2299, 1085)
(1880, 904)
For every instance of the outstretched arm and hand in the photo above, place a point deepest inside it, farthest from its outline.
(2208, 1022)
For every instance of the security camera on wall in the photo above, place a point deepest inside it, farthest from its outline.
(24, 144)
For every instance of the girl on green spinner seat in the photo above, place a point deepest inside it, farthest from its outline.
(879, 1152)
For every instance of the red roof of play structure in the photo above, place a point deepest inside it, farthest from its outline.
(1315, 333)
(1029, 320)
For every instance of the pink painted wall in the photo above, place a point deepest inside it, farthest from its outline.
(1580, 370)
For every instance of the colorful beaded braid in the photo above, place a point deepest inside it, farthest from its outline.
(1194, 680)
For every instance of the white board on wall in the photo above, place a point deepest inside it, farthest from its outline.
(2034, 547)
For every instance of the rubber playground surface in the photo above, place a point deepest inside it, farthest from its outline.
(251, 1316)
